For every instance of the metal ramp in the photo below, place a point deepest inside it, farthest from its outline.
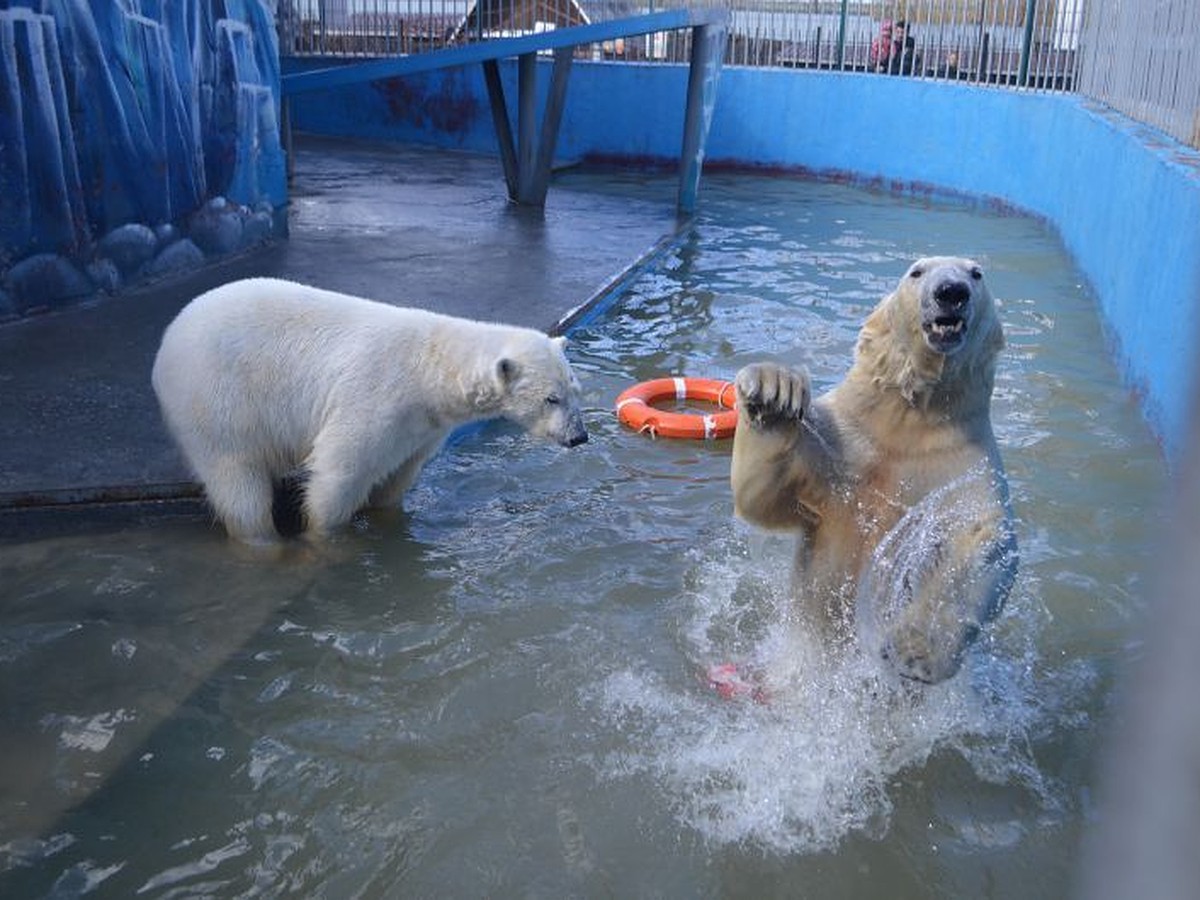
(527, 158)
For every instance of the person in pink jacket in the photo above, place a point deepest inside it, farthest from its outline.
(881, 47)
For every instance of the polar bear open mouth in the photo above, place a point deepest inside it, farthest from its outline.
(945, 333)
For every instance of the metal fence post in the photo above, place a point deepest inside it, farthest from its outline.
(1027, 43)
(841, 40)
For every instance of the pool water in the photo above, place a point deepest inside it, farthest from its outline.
(501, 689)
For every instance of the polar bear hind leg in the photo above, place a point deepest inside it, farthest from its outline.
(241, 496)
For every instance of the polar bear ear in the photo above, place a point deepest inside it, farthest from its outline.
(488, 385)
(507, 371)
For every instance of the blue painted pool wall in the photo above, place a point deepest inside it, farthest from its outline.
(443, 108)
(1124, 198)
(630, 112)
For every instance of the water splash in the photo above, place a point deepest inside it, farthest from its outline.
(939, 574)
(823, 758)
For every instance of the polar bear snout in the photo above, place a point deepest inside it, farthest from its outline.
(946, 312)
(947, 291)
(575, 433)
(952, 294)
(557, 419)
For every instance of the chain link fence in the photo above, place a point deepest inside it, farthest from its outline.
(1138, 56)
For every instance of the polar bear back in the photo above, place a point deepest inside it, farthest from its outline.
(274, 336)
(263, 361)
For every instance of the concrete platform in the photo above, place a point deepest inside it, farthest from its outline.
(406, 225)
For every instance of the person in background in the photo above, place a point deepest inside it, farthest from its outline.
(949, 69)
(904, 58)
(881, 47)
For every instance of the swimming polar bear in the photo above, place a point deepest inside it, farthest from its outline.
(892, 479)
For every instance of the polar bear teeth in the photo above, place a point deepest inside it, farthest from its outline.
(951, 327)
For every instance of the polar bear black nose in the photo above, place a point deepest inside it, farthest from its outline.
(952, 293)
(575, 432)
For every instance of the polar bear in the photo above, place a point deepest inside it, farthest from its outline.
(261, 379)
(892, 479)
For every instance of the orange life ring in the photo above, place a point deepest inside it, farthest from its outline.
(635, 409)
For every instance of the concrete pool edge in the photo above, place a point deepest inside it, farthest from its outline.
(609, 294)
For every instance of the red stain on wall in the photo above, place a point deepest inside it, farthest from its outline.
(451, 108)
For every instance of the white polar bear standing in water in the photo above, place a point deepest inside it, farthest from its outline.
(892, 479)
(262, 379)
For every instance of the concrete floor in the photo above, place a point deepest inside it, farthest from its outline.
(412, 226)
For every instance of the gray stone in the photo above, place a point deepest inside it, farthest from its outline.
(129, 246)
(181, 256)
(166, 234)
(104, 275)
(46, 280)
(216, 228)
(258, 229)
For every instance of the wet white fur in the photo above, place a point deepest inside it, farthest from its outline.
(260, 378)
(873, 457)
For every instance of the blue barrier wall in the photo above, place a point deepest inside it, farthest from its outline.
(137, 138)
(1125, 199)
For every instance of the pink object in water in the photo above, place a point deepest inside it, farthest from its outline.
(729, 684)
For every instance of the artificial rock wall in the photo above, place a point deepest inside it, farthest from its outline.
(138, 138)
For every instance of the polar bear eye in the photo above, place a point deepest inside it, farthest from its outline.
(976, 273)
(553, 400)
(916, 273)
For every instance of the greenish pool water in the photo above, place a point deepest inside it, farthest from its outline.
(500, 690)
